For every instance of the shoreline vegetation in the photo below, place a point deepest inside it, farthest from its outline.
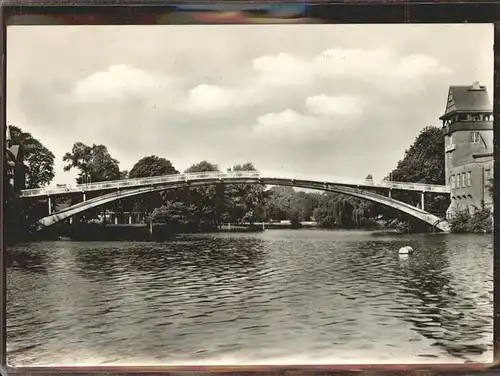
(212, 208)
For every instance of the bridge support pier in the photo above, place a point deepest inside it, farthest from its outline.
(116, 219)
(84, 197)
(50, 205)
(422, 200)
(129, 218)
(390, 194)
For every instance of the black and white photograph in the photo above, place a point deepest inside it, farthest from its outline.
(249, 194)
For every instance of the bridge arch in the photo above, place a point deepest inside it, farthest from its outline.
(362, 193)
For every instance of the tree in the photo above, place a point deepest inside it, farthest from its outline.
(38, 159)
(176, 215)
(423, 162)
(148, 167)
(340, 211)
(284, 203)
(152, 166)
(202, 166)
(244, 202)
(94, 161)
(206, 199)
(369, 177)
(279, 203)
(248, 166)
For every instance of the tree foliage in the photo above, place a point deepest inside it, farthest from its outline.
(152, 166)
(20, 216)
(336, 210)
(148, 167)
(199, 202)
(243, 202)
(203, 166)
(423, 162)
(478, 222)
(38, 159)
(94, 161)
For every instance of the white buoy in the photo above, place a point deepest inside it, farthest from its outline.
(405, 250)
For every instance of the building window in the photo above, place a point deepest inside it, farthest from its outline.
(469, 179)
(452, 181)
(474, 137)
(488, 173)
(463, 180)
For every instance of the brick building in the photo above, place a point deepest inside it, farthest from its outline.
(468, 132)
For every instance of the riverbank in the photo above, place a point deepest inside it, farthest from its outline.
(161, 232)
(156, 232)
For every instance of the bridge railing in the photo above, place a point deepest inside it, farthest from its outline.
(128, 183)
(361, 182)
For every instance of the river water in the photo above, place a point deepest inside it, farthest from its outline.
(277, 297)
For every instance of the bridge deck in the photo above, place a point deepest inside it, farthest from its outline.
(233, 177)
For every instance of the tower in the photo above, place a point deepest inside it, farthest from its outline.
(468, 132)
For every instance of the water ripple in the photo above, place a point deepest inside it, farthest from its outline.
(252, 296)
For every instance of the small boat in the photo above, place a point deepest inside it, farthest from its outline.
(405, 250)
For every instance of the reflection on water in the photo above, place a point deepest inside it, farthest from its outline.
(300, 296)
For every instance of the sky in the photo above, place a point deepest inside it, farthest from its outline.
(315, 100)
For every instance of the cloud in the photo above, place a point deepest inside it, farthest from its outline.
(116, 82)
(355, 63)
(282, 69)
(210, 98)
(288, 123)
(417, 65)
(343, 106)
(380, 67)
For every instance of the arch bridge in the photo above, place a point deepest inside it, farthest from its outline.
(116, 190)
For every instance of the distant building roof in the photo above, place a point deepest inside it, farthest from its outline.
(469, 98)
(15, 151)
(14, 156)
